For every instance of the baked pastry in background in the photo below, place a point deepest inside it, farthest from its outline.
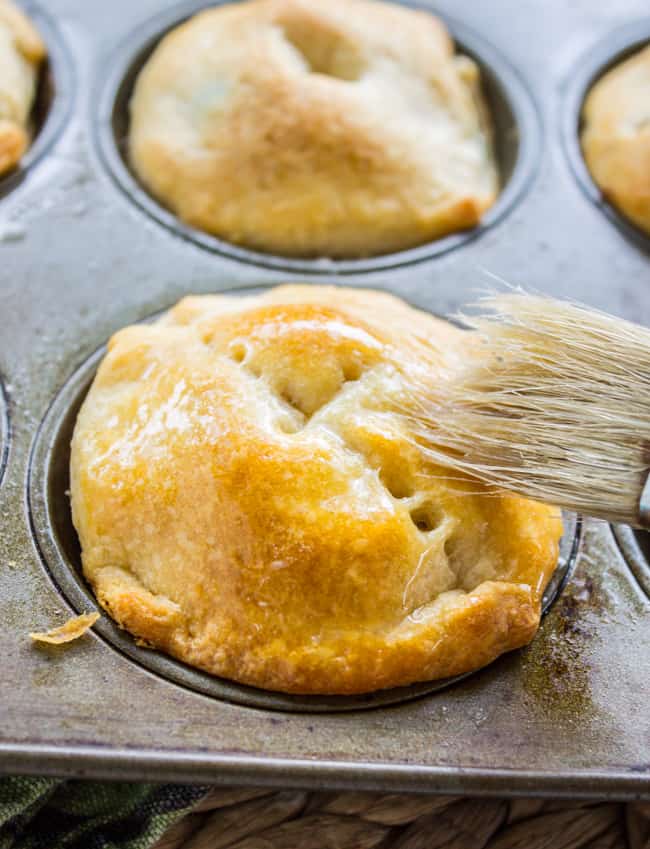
(616, 136)
(248, 500)
(336, 128)
(21, 53)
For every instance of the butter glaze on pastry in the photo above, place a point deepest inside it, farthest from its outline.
(616, 136)
(21, 53)
(247, 500)
(314, 127)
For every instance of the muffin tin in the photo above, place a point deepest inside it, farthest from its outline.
(83, 252)
(4, 431)
(635, 546)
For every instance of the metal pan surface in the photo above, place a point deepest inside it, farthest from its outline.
(84, 251)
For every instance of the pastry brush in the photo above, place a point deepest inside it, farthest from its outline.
(550, 400)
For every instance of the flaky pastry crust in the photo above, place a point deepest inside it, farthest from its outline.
(248, 499)
(21, 53)
(314, 127)
(616, 136)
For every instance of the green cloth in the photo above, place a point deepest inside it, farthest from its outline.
(48, 813)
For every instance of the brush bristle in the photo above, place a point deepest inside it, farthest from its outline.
(552, 402)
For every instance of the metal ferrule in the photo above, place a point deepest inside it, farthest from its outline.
(644, 504)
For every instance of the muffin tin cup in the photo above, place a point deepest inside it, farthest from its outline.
(592, 65)
(57, 542)
(5, 430)
(635, 547)
(517, 134)
(53, 101)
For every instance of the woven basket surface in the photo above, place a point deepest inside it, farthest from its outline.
(265, 819)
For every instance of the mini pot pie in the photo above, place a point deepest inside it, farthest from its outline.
(616, 136)
(337, 128)
(21, 53)
(248, 499)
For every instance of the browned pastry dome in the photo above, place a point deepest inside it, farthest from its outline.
(616, 136)
(21, 53)
(248, 500)
(314, 127)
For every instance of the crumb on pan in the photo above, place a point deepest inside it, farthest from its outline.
(66, 633)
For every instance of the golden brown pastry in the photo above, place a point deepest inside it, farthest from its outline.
(21, 53)
(616, 136)
(248, 500)
(339, 128)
